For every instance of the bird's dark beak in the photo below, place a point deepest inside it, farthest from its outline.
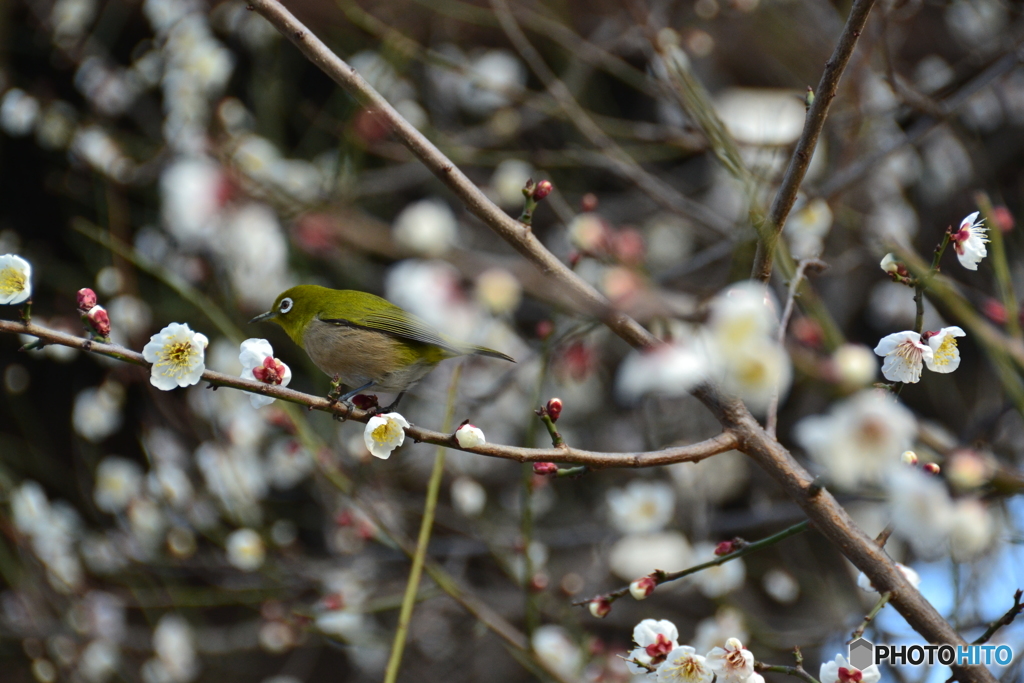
(263, 316)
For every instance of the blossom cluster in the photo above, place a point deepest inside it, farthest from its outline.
(659, 655)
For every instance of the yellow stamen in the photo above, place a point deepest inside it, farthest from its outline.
(946, 352)
(177, 358)
(12, 281)
(685, 668)
(386, 433)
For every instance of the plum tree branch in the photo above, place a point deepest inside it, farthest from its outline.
(773, 223)
(691, 453)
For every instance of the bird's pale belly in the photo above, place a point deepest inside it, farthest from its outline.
(359, 356)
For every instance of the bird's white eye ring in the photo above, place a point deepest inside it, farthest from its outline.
(286, 305)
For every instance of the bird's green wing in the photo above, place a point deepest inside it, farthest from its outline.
(374, 313)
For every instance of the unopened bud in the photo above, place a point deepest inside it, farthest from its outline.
(1003, 219)
(724, 548)
(600, 607)
(931, 468)
(542, 190)
(889, 263)
(994, 311)
(545, 468)
(554, 408)
(588, 202)
(544, 329)
(909, 458)
(99, 320)
(641, 588)
(539, 582)
(86, 299)
(365, 401)
(333, 602)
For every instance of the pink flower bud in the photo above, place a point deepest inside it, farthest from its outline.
(554, 408)
(931, 468)
(333, 602)
(86, 299)
(542, 190)
(600, 607)
(641, 588)
(1002, 217)
(588, 202)
(271, 372)
(539, 582)
(994, 311)
(99, 320)
(724, 548)
(544, 329)
(545, 468)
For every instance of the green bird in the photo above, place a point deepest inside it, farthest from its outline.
(363, 341)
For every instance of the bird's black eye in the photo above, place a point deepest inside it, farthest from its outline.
(286, 305)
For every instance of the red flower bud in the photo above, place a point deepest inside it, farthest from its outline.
(554, 408)
(365, 401)
(931, 468)
(545, 468)
(1003, 219)
(99, 320)
(271, 372)
(994, 311)
(86, 300)
(600, 607)
(724, 548)
(539, 582)
(542, 190)
(588, 202)
(544, 329)
(334, 601)
(641, 588)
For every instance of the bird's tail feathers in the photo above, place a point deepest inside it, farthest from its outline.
(484, 351)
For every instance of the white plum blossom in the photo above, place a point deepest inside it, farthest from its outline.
(945, 355)
(178, 356)
(15, 280)
(912, 577)
(96, 413)
(714, 582)
(756, 374)
(905, 355)
(684, 665)
(426, 227)
(781, 586)
(175, 648)
(99, 661)
(495, 77)
(640, 554)
(672, 370)
(890, 264)
(855, 365)
(807, 227)
(654, 640)
(972, 530)
(922, 510)
(508, 180)
(733, 663)
(118, 481)
(192, 190)
(469, 436)
(468, 496)
(259, 364)
(969, 241)
(498, 291)
(860, 439)
(715, 630)
(642, 506)
(384, 433)
(245, 550)
(556, 649)
(841, 671)
(742, 316)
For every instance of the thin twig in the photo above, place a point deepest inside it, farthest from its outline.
(1004, 620)
(661, 577)
(624, 165)
(794, 285)
(429, 508)
(883, 600)
(801, 159)
(692, 453)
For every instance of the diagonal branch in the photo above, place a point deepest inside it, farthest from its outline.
(828, 85)
(691, 453)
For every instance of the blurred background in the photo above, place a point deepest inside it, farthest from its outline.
(188, 164)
